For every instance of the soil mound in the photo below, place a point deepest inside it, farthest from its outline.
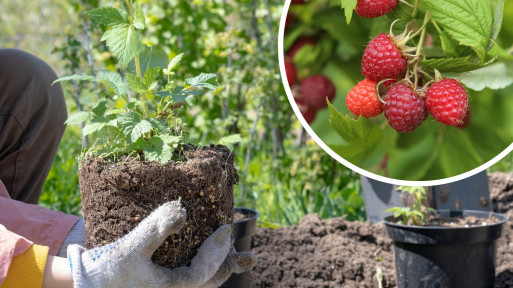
(340, 253)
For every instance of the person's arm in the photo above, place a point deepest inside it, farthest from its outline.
(57, 273)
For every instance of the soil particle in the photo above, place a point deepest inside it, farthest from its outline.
(340, 253)
(118, 196)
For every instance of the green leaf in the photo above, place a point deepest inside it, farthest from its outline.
(115, 80)
(495, 77)
(158, 150)
(100, 108)
(110, 16)
(470, 22)
(157, 124)
(150, 58)
(204, 80)
(452, 48)
(115, 111)
(348, 6)
(457, 154)
(150, 76)
(78, 118)
(174, 62)
(139, 21)
(456, 65)
(135, 83)
(497, 21)
(230, 139)
(306, 55)
(124, 43)
(127, 121)
(170, 139)
(360, 135)
(92, 127)
(140, 129)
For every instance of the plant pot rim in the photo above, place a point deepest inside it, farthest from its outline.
(452, 213)
(253, 214)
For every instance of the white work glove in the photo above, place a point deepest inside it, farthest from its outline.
(127, 262)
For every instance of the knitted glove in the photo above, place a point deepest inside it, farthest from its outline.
(75, 236)
(127, 262)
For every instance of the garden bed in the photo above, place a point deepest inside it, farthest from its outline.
(340, 253)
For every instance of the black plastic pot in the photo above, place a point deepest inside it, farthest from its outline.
(243, 232)
(444, 256)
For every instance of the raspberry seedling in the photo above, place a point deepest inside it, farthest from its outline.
(363, 99)
(404, 109)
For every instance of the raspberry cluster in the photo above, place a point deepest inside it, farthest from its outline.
(313, 91)
(389, 70)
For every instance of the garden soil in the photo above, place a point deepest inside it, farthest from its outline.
(340, 253)
(116, 197)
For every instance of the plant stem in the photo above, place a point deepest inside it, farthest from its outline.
(415, 9)
(419, 48)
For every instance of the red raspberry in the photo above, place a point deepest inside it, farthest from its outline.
(297, 2)
(447, 101)
(299, 44)
(363, 99)
(290, 70)
(404, 109)
(374, 8)
(315, 89)
(382, 59)
(289, 20)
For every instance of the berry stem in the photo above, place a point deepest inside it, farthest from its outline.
(415, 9)
(420, 45)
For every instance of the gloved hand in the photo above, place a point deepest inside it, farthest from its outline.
(127, 262)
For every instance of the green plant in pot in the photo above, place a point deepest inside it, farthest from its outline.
(140, 158)
(443, 248)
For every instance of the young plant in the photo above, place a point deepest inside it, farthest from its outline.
(418, 212)
(142, 117)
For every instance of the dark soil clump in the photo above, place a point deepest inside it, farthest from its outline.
(340, 253)
(117, 196)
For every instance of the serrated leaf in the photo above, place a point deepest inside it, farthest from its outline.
(139, 21)
(124, 43)
(78, 118)
(109, 16)
(170, 139)
(174, 62)
(470, 22)
(150, 76)
(204, 80)
(158, 150)
(157, 124)
(127, 121)
(495, 77)
(230, 139)
(348, 6)
(92, 127)
(100, 108)
(114, 111)
(456, 65)
(135, 83)
(140, 129)
(115, 80)
(360, 135)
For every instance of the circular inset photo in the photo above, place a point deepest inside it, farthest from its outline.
(402, 91)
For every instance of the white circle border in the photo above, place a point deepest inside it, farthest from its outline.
(347, 163)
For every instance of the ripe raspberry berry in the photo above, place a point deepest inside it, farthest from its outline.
(290, 70)
(466, 120)
(299, 44)
(374, 8)
(404, 109)
(447, 101)
(382, 59)
(363, 99)
(315, 89)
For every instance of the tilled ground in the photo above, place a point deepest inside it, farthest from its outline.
(339, 253)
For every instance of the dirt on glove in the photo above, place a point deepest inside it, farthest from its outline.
(117, 196)
(340, 253)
